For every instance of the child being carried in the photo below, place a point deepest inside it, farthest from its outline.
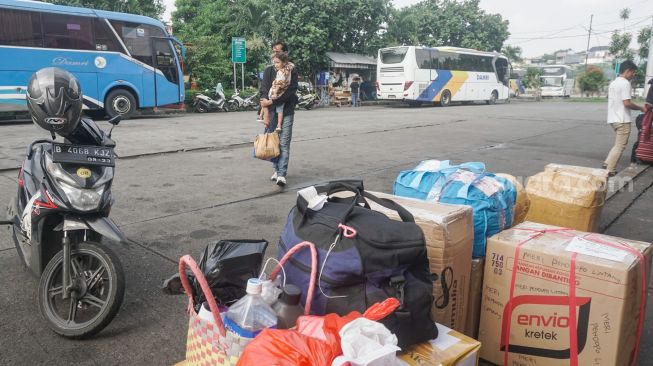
(279, 86)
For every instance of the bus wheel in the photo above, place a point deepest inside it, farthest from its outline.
(120, 102)
(493, 97)
(445, 98)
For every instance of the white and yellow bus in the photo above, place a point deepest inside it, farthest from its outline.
(442, 74)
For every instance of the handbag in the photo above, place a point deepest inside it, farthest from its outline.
(211, 343)
(364, 257)
(266, 146)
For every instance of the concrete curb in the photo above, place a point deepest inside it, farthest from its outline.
(624, 178)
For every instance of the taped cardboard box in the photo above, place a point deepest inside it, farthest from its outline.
(567, 196)
(526, 303)
(474, 304)
(449, 349)
(448, 230)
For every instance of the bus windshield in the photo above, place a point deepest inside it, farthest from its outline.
(393, 55)
(552, 81)
(553, 71)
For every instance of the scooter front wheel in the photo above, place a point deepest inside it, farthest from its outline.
(96, 293)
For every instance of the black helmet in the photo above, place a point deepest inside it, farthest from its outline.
(54, 100)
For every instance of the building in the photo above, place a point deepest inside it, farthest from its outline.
(599, 55)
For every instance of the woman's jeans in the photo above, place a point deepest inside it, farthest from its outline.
(281, 162)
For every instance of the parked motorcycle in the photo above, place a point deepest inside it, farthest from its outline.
(61, 211)
(203, 103)
(236, 102)
(251, 103)
(307, 100)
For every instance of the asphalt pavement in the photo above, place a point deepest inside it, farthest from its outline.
(186, 180)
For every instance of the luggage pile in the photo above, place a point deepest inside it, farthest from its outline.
(457, 258)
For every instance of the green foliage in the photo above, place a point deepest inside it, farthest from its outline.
(513, 53)
(619, 45)
(447, 23)
(313, 28)
(643, 38)
(532, 78)
(207, 28)
(592, 80)
(150, 8)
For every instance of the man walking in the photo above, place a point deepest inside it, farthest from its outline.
(619, 107)
(288, 99)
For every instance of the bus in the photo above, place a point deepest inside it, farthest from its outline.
(442, 74)
(557, 81)
(123, 61)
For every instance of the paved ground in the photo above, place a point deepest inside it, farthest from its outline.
(184, 181)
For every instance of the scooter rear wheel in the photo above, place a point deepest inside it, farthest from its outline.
(97, 292)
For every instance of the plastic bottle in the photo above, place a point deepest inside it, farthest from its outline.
(251, 313)
(288, 308)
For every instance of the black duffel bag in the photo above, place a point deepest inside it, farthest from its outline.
(364, 258)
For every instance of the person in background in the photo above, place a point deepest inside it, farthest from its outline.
(279, 85)
(288, 98)
(619, 107)
(355, 87)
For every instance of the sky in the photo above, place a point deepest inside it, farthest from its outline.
(539, 26)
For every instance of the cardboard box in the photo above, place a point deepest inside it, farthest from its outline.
(449, 234)
(449, 349)
(522, 204)
(474, 304)
(567, 196)
(608, 303)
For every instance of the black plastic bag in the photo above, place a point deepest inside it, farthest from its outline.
(227, 265)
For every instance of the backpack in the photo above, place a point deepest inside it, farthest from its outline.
(491, 197)
(364, 258)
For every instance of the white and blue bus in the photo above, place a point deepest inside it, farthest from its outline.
(123, 61)
(442, 74)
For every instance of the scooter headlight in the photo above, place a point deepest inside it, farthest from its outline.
(83, 199)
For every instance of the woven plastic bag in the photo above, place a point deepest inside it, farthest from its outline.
(267, 146)
(211, 343)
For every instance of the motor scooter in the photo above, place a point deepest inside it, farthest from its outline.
(203, 103)
(236, 102)
(57, 221)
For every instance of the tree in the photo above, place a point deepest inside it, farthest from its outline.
(624, 14)
(592, 80)
(619, 45)
(447, 23)
(313, 28)
(150, 8)
(513, 53)
(532, 78)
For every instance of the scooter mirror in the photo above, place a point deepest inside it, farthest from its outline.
(115, 120)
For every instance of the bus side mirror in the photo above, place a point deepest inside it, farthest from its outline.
(115, 120)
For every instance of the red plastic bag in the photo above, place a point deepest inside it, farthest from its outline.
(315, 342)
(321, 326)
(280, 347)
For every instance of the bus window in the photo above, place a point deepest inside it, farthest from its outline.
(20, 28)
(449, 61)
(69, 32)
(165, 60)
(423, 58)
(393, 55)
(137, 38)
(104, 38)
(502, 70)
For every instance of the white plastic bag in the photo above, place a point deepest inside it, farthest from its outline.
(365, 342)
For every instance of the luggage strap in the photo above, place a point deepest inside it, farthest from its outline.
(398, 283)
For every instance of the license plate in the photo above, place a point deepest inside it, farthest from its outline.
(80, 154)
(392, 96)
